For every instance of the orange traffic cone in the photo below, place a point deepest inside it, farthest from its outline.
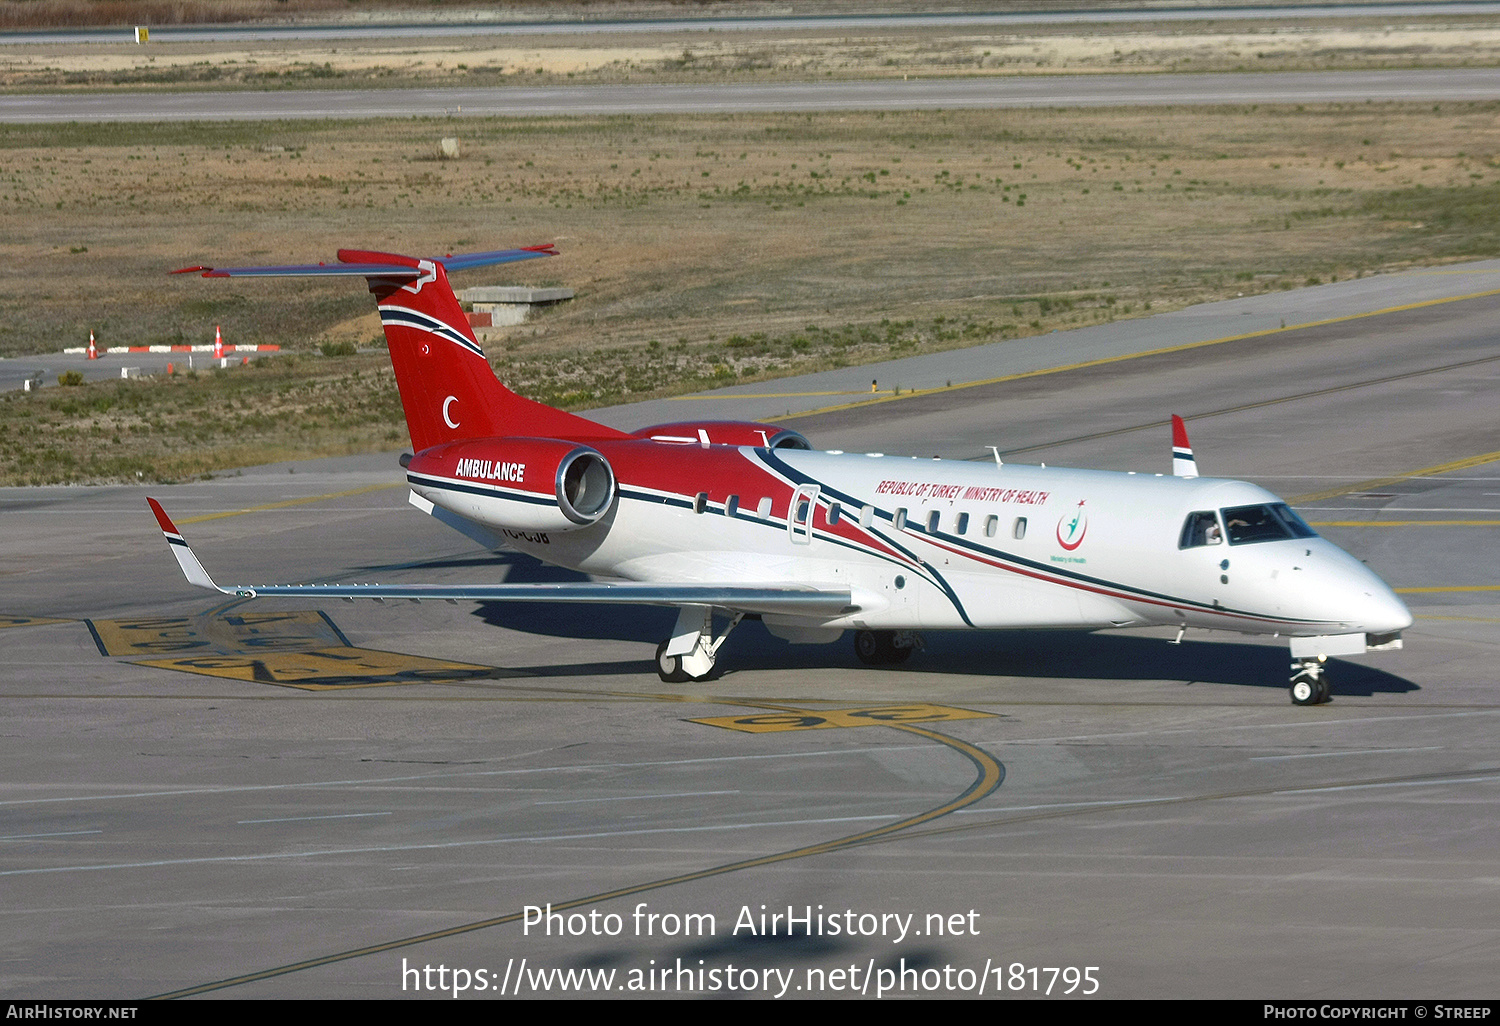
(218, 344)
(93, 350)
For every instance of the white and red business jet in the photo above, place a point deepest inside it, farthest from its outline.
(745, 519)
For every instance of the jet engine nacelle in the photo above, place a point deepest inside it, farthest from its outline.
(517, 484)
(725, 432)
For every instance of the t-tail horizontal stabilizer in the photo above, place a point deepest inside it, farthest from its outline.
(1183, 464)
(790, 599)
(370, 264)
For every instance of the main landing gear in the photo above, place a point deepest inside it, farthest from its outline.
(885, 648)
(1309, 684)
(690, 652)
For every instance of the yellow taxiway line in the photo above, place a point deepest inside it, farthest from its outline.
(290, 502)
(1446, 588)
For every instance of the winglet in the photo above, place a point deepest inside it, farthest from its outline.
(191, 568)
(1183, 463)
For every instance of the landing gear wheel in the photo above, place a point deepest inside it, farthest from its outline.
(694, 632)
(669, 668)
(1310, 686)
(873, 647)
(879, 648)
(1304, 690)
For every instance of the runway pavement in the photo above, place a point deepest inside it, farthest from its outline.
(1122, 90)
(268, 799)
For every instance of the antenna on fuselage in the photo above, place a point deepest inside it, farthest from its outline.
(996, 450)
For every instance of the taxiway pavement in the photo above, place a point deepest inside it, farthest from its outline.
(268, 799)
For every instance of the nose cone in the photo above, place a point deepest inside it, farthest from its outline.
(1381, 610)
(1359, 598)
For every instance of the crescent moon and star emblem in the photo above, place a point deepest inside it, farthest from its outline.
(447, 418)
(1071, 527)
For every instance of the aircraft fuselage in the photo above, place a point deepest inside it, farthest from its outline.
(941, 544)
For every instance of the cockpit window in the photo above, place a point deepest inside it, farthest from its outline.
(1200, 528)
(1276, 522)
(1293, 522)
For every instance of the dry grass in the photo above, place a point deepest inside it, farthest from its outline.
(172, 428)
(742, 246)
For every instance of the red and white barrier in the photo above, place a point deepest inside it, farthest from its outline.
(177, 349)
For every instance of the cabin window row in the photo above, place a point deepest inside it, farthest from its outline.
(866, 516)
(761, 510)
(959, 524)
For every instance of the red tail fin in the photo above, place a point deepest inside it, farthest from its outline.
(448, 389)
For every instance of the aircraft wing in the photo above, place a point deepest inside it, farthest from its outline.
(791, 599)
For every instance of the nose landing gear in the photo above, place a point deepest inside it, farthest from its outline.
(1309, 684)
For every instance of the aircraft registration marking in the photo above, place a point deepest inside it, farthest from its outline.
(824, 719)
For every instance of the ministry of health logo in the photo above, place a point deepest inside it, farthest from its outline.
(1071, 527)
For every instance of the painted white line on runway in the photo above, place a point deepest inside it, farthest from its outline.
(1069, 805)
(65, 833)
(540, 838)
(189, 792)
(1326, 755)
(301, 819)
(1406, 798)
(1392, 783)
(1245, 726)
(637, 797)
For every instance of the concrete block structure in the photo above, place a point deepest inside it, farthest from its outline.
(497, 306)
